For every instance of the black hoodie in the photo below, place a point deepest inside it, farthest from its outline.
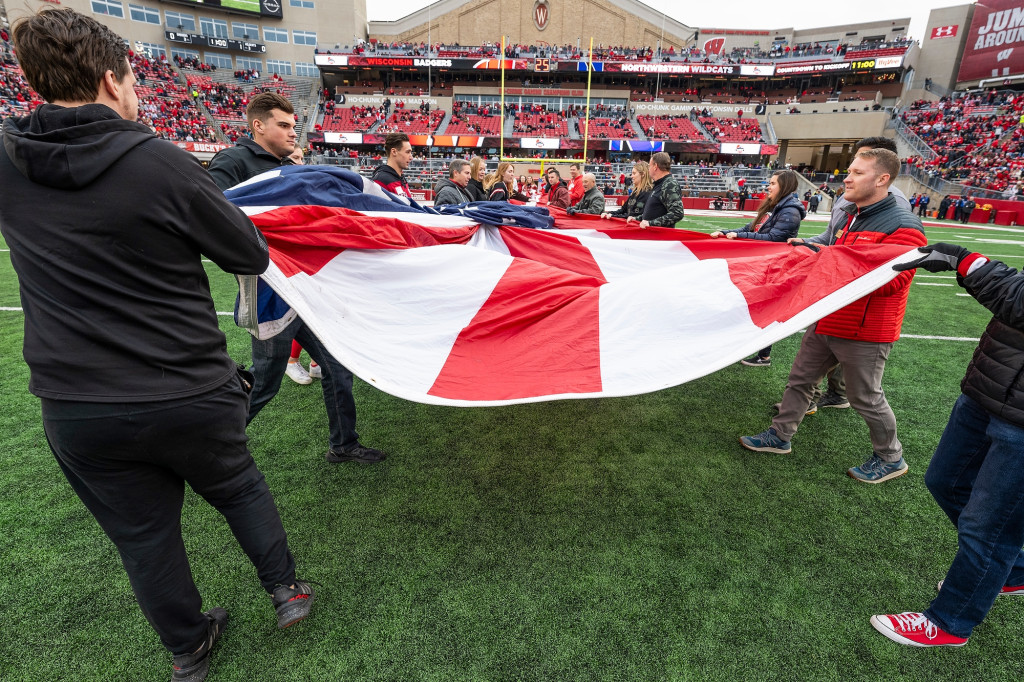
(107, 225)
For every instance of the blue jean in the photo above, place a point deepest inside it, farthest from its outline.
(977, 477)
(269, 361)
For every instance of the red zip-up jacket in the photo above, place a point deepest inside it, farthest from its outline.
(878, 316)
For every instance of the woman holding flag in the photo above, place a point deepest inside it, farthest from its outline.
(778, 218)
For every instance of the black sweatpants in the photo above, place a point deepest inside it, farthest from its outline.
(129, 462)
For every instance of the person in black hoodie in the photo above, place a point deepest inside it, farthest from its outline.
(107, 226)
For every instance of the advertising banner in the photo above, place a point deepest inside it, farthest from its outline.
(734, 148)
(538, 142)
(343, 138)
(694, 69)
(757, 70)
(636, 145)
(817, 67)
(997, 28)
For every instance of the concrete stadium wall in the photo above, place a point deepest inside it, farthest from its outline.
(852, 126)
(571, 22)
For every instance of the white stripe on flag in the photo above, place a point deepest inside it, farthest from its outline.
(395, 336)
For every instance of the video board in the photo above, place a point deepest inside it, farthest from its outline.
(261, 8)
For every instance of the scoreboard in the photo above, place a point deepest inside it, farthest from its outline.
(261, 8)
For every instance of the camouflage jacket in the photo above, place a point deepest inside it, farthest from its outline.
(664, 208)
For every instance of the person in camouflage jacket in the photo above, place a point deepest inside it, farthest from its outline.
(664, 207)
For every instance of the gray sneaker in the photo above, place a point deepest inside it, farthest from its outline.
(876, 470)
(831, 399)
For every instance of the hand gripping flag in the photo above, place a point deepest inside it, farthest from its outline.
(447, 310)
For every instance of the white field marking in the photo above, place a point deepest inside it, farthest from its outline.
(5, 250)
(932, 284)
(968, 237)
(207, 260)
(937, 276)
(1015, 242)
(18, 310)
(939, 338)
(967, 295)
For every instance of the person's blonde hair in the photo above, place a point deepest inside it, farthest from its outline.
(495, 177)
(474, 166)
(645, 184)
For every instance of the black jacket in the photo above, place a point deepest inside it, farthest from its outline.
(995, 377)
(243, 161)
(107, 226)
(476, 190)
(634, 206)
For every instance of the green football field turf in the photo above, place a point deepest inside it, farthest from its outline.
(610, 539)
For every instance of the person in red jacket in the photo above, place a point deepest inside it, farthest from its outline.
(861, 335)
(389, 175)
(576, 183)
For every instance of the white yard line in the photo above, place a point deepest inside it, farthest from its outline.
(18, 310)
(932, 284)
(939, 338)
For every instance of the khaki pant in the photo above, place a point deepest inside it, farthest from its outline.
(863, 365)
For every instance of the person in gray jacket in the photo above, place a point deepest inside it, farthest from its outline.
(842, 209)
(454, 189)
(593, 199)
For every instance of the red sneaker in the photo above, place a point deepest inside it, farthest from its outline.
(1019, 589)
(914, 629)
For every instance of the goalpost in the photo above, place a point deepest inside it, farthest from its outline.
(586, 120)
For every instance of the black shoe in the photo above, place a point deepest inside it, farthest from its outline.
(292, 603)
(194, 667)
(355, 453)
(831, 399)
(757, 361)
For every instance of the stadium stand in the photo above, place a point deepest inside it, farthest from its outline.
(608, 128)
(17, 98)
(733, 129)
(415, 122)
(674, 128)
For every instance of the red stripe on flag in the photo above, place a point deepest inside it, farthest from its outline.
(560, 354)
(561, 251)
(779, 287)
(306, 238)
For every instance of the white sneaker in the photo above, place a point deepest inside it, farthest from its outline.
(314, 370)
(297, 373)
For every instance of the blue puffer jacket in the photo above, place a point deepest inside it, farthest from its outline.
(783, 223)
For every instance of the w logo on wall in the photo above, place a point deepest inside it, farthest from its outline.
(541, 14)
(714, 46)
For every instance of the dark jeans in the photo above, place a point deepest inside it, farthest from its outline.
(269, 361)
(977, 477)
(129, 462)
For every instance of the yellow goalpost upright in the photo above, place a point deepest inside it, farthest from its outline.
(586, 120)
